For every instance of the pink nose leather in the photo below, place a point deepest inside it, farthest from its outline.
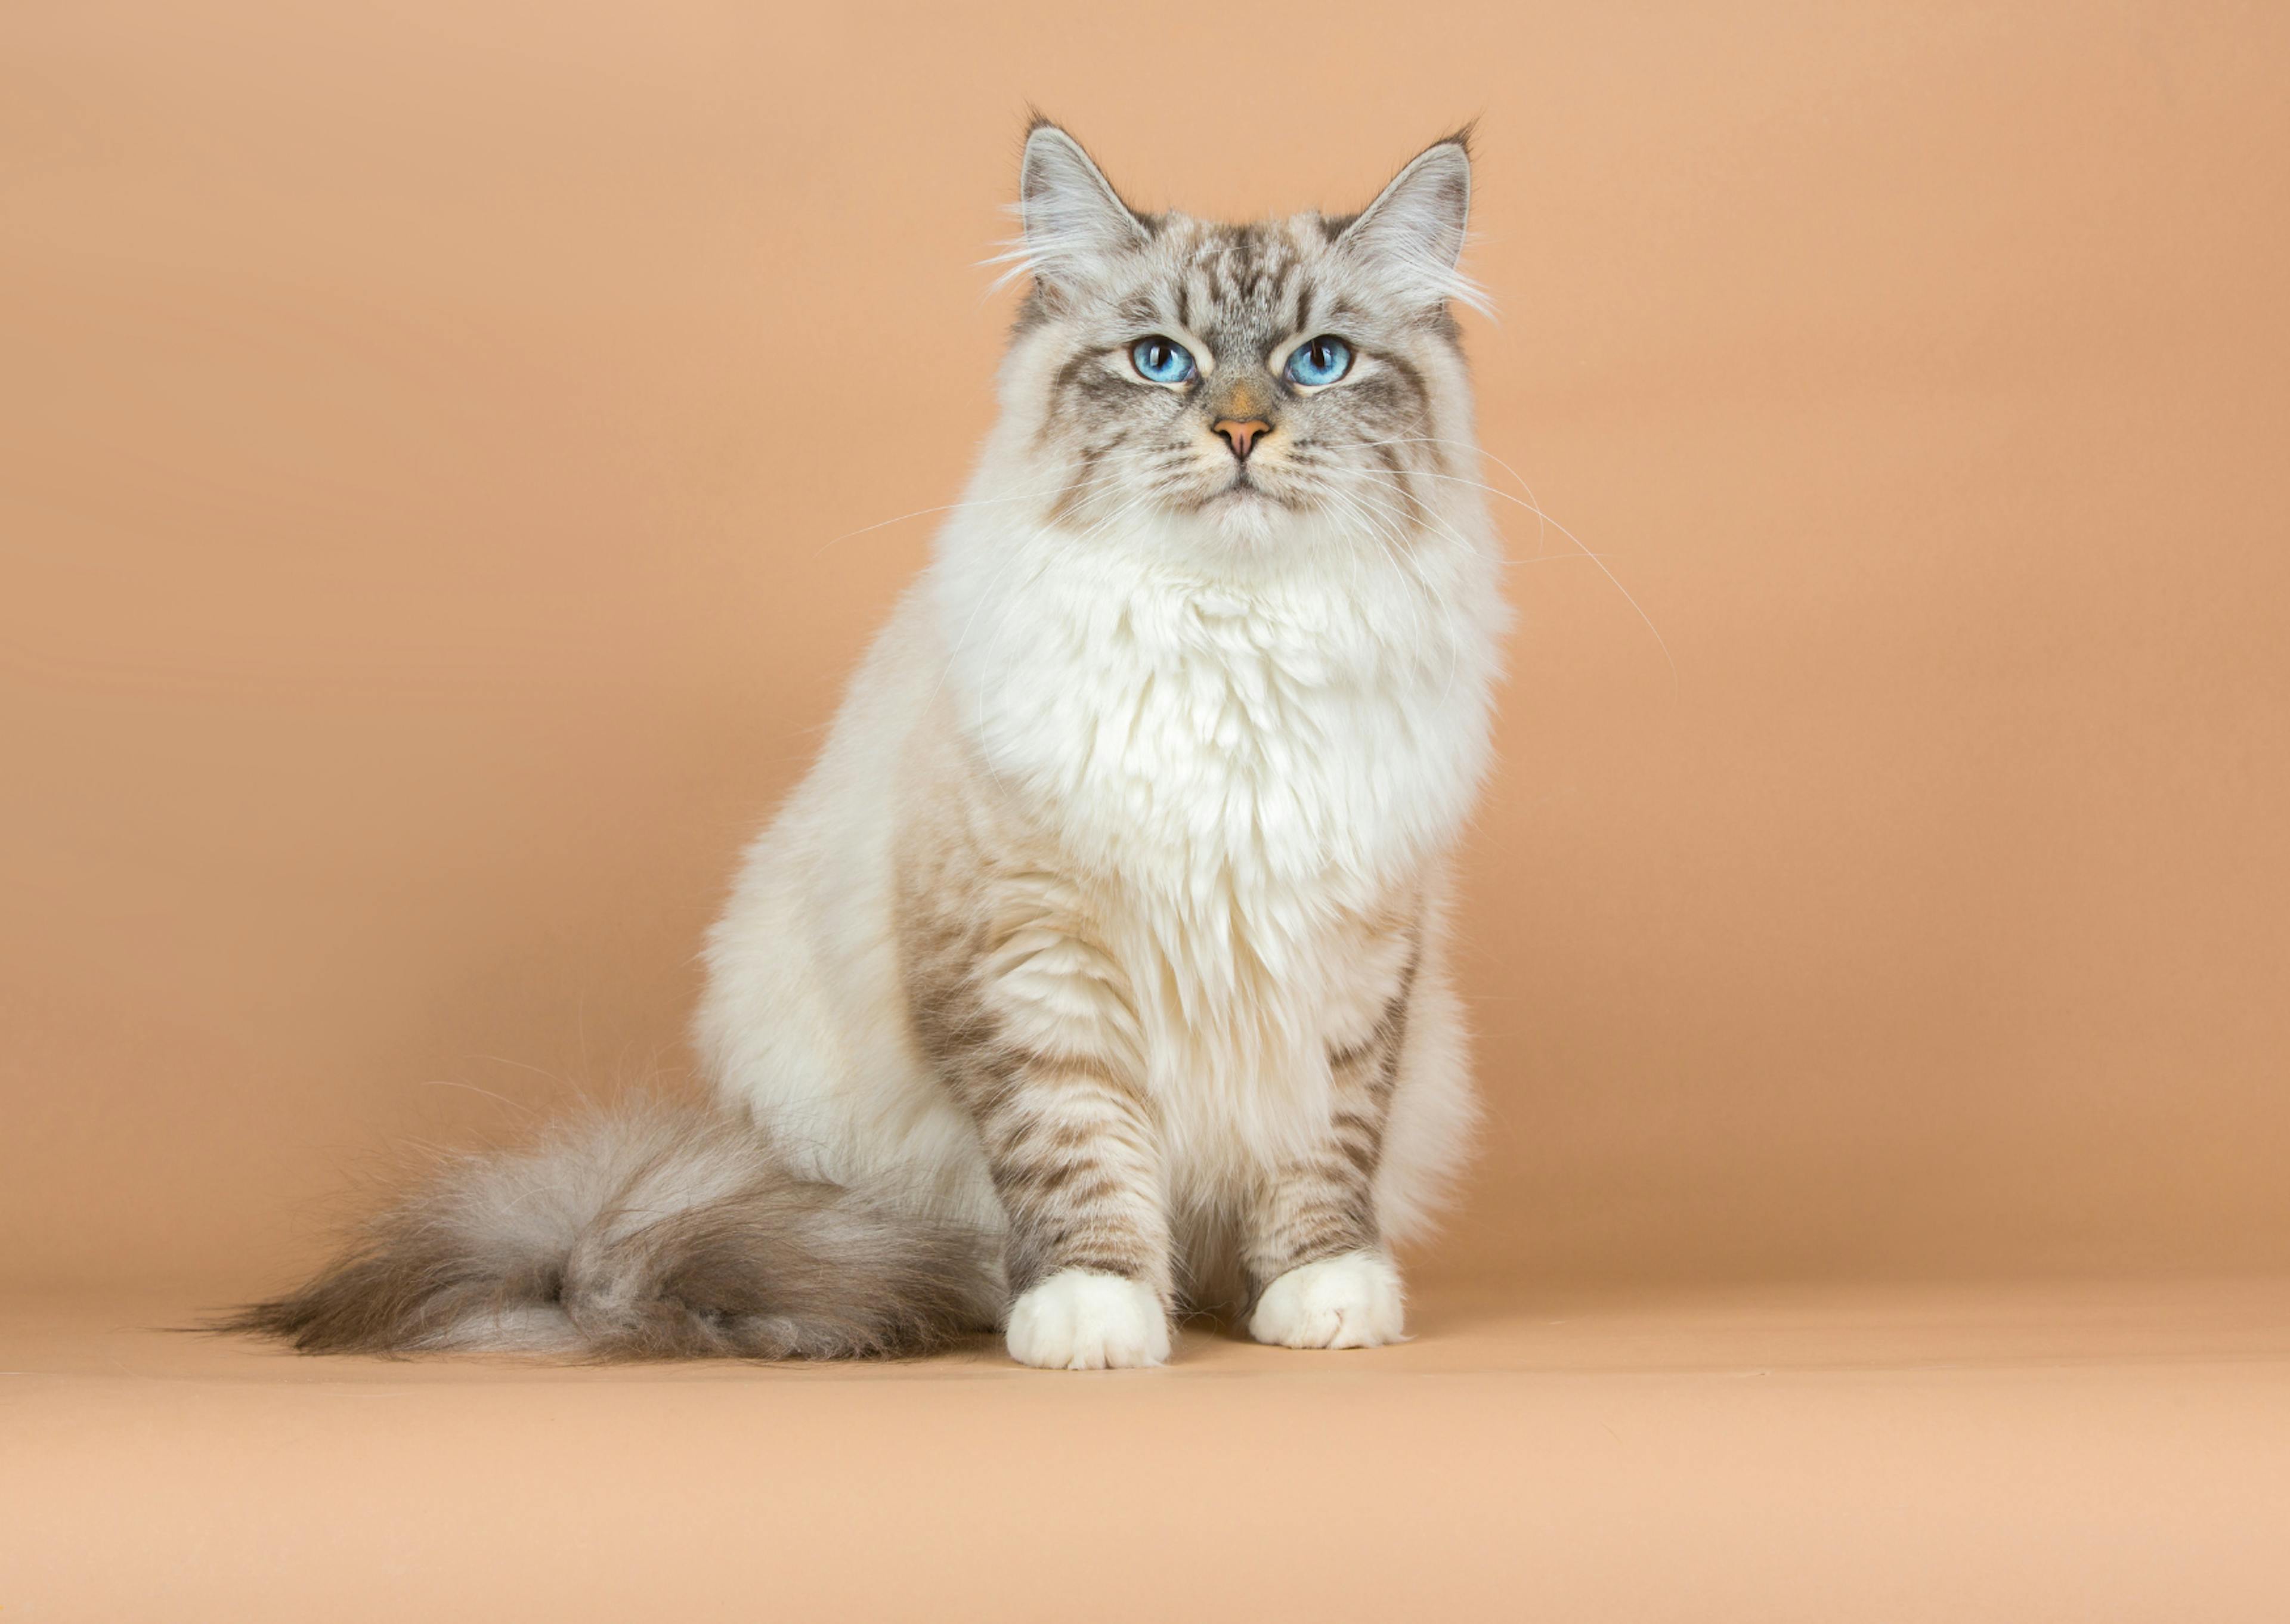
(1240, 435)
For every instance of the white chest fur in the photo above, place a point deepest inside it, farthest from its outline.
(1314, 726)
(1251, 770)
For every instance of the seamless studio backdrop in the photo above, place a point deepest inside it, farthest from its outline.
(451, 457)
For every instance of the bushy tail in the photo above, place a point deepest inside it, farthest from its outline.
(647, 1232)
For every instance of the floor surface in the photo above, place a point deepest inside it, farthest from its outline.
(2085, 1453)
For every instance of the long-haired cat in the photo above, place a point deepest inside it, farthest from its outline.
(1097, 972)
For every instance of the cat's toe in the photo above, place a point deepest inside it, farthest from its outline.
(1350, 1301)
(1081, 1320)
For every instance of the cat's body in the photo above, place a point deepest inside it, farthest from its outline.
(1108, 934)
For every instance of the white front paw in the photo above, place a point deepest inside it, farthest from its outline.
(1350, 1301)
(1080, 1320)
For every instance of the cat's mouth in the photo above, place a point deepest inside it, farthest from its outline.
(1243, 489)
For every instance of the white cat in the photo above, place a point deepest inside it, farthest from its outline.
(1097, 970)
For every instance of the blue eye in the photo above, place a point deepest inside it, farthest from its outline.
(1159, 360)
(1318, 361)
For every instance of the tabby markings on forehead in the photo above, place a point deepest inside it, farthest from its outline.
(1140, 310)
(1250, 266)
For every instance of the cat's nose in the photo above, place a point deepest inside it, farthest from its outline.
(1241, 435)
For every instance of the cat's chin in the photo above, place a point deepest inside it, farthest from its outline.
(1246, 515)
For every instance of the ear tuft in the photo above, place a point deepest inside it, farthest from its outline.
(1416, 229)
(1072, 218)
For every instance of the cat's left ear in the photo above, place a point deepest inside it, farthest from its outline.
(1074, 219)
(1415, 229)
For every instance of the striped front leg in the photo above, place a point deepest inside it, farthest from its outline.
(1074, 1159)
(1027, 1024)
(1315, 1260)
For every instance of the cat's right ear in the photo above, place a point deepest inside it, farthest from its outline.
(1074, 219)
(1415, 229)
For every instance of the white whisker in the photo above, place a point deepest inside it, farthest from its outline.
(1536, 508)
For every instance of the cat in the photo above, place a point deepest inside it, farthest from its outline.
(1098, 971)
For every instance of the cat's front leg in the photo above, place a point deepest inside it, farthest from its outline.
(1310, 1242)
(1027, 1026)
(1074, 1159)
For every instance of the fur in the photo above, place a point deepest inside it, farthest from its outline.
(1098, 968)
(651, 1231)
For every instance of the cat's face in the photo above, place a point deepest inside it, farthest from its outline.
(1239, 382)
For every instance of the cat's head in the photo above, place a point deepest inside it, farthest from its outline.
(1238, 382)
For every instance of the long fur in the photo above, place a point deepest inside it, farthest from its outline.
(651, 1231)
(1098, 970)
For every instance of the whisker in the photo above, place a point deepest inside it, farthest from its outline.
(1536, 508)
(1419, 510)
(1051, 489)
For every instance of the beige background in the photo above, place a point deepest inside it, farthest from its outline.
(436, 450)
(444, 455)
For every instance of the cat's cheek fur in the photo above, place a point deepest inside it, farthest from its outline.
(1350, 1301)
(1081, 1320)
